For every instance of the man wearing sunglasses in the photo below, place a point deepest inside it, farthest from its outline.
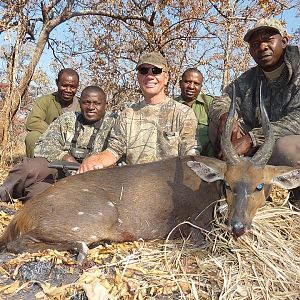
(153, 129)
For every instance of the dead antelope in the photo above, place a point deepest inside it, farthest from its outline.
(146, 201)
(117, 204)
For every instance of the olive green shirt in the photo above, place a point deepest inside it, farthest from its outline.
(201, 108)
(44, 111)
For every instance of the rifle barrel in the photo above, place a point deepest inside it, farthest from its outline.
(61, 164)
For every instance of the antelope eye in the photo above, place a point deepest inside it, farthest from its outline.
(260, 187)
(226, 185)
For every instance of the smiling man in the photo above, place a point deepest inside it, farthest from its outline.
(47, 108)
(153, 129)
(278, 73)
(71, 137)
(190, 85)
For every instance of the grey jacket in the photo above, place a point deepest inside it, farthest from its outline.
(281, 99)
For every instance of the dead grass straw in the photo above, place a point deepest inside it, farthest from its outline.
(264, 264)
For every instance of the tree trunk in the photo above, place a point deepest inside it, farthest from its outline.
(227, 56)
(15, 93)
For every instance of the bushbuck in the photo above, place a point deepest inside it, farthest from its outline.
(146, 201)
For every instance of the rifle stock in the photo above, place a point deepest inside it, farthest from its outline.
(62, 164)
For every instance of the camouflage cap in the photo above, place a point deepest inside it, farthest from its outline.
(153, 58)
(265, 24)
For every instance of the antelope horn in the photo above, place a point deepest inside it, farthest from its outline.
(230, 156)
(263, 154)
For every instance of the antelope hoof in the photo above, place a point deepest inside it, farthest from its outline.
(82, 249)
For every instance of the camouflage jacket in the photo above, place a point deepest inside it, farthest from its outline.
(281, 98)
(55, 142)
(146, 133)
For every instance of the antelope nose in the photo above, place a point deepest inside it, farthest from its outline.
(238, 228)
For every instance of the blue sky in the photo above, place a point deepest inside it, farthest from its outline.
(293, 22)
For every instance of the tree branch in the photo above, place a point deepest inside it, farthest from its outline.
(123, 18)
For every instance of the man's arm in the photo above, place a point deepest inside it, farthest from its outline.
(52, 144)
(101, 160)
(36, 118)
(219, 106)
(287, 125)
(218, 114)
(188, 142)
(115, 149)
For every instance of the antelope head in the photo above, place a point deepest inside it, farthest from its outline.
(247, 180)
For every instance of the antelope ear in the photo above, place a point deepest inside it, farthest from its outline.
(206, 172)
(288, 180)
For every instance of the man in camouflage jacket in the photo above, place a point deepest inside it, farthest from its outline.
(278, 71)
(153, 129)
(33, 176)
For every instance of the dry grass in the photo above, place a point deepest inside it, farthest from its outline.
(264, 264)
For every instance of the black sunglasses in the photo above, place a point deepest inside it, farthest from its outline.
(154, 70)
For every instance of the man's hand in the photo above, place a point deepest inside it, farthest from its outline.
(242, 145)
(90, 163)
(68, 157)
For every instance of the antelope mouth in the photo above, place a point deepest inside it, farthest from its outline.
(237, 228)
(238, 233)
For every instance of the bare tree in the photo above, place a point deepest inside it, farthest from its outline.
(34, 21)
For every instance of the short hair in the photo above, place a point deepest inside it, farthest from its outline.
(191, 70)
(68, 71)
(94, 89)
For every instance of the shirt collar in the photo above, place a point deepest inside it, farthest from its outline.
(199, 99)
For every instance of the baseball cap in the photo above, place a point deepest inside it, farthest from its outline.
(266, 24)
(153, 58)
